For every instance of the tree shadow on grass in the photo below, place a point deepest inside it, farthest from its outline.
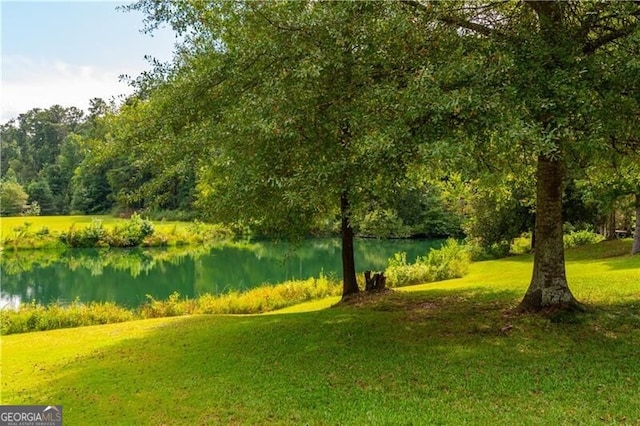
(590, 252)
(625, 262)
(417, 357)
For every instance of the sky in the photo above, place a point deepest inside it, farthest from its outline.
(68, 52)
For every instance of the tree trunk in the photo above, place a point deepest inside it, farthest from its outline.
(610, 233)
(636, 233)
(533, 239)
(349, 283)
(377, 282)
(549, 287)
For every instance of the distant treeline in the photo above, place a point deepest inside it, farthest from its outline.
(59, 161)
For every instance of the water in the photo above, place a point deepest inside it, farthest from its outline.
(127, 276)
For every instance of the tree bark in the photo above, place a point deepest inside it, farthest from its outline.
(349, 282)
(377, 282)
(549, 287)
(636, 233)
(610, 232)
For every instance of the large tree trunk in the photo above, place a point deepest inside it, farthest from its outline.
(349, 283)
(549, 287)
(636, 233)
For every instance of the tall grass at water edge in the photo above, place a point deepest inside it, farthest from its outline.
(450, 261)
(34, 317)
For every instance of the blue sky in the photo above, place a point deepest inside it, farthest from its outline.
(69, 52)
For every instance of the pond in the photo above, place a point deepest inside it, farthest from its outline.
(127, 276)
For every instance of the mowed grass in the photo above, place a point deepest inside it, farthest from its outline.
(64, 223)
(48, 232)
(441, 353)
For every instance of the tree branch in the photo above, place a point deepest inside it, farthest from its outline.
(272, 22)
(473, 26)
(593, 45)
(452, 20)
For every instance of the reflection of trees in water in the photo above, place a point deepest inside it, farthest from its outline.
(119, 275)
(134, 261)
(127, 276)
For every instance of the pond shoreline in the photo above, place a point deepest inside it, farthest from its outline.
(126, 276)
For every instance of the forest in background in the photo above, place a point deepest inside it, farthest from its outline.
(59, 161)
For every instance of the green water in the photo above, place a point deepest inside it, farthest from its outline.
(127, 276)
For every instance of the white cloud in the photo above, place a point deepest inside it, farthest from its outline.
(28, 84)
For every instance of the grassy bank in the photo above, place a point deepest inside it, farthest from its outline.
(47, 232)
(442, 353)
(61, 223)
(34, 317)
(451, 260)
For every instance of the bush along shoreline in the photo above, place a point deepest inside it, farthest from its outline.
(134, 232)
(452, 260)
(35, 317)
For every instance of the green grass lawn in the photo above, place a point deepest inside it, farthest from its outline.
(63, 223)
(48, 232)
(441, 353)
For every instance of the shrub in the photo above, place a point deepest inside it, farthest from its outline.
(496, 218)
(400, 273)
(156, 240)
(32, 209)
(89, 236)
(254, 301)
(450, 261)
(202, 232)
(270, 297)
(131, 234)
(35, 317)
(521, 244)
(23, 237)
(13, 198)
(42, 232)
(479, 251)
(165, 308)
(581, 238)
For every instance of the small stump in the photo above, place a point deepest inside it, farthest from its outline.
(377, 282)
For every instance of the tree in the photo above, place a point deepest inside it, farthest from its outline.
(146, 170)
(38, 147)
(292, 106)
(71, 156)
(551, 56)
(13, 198)
(90, 190)
(611, 180)
(300, 109)
(40, 192)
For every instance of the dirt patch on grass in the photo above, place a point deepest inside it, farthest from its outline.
(365, 298)
(389, 300)
(460, 314)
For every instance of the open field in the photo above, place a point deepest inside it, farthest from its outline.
(47, 232)
(63, 223)
(441, 353)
